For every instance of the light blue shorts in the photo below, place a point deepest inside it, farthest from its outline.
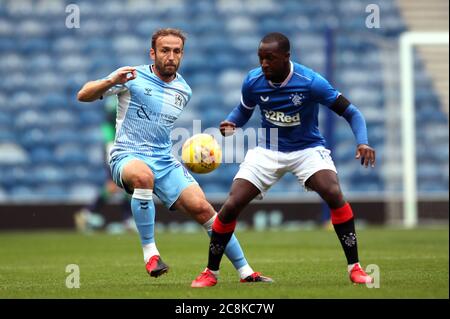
(171, 177)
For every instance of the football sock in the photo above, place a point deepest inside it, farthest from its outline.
(214, 272)
(220, 236)
(350, 267)
(344, 225)
(149, 251)
(233, 251)
(245, 271)
(143, 210)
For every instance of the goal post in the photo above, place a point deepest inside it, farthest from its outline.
(408, 41)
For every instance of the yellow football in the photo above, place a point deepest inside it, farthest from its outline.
(201, 153)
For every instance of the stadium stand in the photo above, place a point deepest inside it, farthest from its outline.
(51, 146)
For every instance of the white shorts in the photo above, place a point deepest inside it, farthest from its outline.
(263, 167)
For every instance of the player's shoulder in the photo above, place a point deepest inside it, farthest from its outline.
(304, 73)
(180, 81)
(141, 67)
(253, 76)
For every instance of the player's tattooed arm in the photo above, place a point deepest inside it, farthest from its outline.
(94, 90)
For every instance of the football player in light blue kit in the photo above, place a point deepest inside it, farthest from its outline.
(151, 98)
(288, 95)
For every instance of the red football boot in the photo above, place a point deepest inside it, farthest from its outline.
(359, 276)
(256, 277)
(156, 267)
(205, 279)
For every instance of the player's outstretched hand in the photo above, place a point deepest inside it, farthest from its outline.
(366, 154)
(227, 128)
(124, 74)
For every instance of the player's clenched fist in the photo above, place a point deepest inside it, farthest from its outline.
(123, 75)
(227, 128)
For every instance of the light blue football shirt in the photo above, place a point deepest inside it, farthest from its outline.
(147, 110)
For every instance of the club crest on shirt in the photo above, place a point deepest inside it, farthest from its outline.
(179, 101)
(297, 98)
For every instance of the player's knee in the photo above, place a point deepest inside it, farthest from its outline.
(142, 180)
(332, 195)
(202, 210)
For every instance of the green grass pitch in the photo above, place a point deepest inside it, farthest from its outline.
(304, 264)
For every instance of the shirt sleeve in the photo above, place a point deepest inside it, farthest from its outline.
(188, 95)
(322, 91)
(358, 124)
(116, 89)
(242, 113)
(246, 99)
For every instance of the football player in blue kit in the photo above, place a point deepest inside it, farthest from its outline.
(151, 98)
(288, 95)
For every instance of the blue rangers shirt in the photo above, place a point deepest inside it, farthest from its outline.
(147, 110)
(292, 107)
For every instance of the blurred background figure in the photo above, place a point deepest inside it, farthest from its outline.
(90, 217)
(325, 218)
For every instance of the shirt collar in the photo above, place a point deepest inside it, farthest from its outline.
(286, 81)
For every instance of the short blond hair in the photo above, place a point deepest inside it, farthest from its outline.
(165, 32)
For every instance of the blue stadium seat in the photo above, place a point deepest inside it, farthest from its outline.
(6, 136)
(41, 155)
(23, 194)
(211, 188)
(71, 154)
(7, 45)
(47, 173)
(35, 45)
(82, 192)
(53, 193)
